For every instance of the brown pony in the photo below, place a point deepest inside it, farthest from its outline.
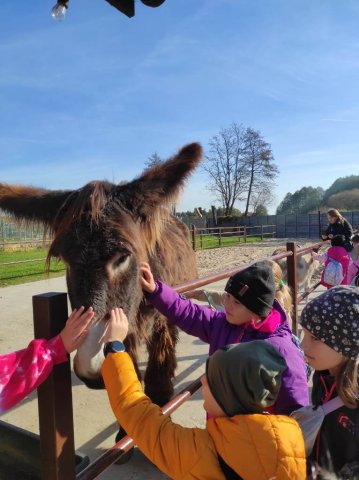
(103, 232)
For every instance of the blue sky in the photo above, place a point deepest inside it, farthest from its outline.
(94, 96)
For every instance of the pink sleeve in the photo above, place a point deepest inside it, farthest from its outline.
(352, 271)
(23, 371)
(346, 261)
(321, 257)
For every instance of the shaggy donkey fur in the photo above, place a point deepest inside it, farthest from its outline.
(103, 232)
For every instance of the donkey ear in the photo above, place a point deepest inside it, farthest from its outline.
(29, 203)
(161, 184)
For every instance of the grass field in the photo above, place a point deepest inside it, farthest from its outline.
(29, 271)
(212, 241)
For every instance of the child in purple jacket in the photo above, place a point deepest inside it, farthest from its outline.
(250, 313)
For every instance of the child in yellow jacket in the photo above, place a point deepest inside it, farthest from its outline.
(239, 441)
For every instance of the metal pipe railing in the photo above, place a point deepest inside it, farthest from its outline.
(200, 282)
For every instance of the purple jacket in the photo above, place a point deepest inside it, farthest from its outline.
(212, 327)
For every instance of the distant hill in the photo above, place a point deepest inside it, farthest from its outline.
(343, 194)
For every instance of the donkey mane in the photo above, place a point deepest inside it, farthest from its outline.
(102, 201)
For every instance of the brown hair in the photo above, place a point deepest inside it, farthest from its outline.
(282, 291)
(334, 213)
(348, 383)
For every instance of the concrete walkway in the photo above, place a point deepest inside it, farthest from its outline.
(95, 428)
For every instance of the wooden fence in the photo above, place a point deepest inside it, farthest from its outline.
(301, 225)
(201, 236)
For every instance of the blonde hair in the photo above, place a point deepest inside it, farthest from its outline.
(334, 213)
(282, 291)
(347, 383)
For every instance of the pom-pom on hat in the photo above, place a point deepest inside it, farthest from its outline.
(333, 317)
(245, 377)
(254, 287)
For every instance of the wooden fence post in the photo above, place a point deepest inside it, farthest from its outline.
(57, 444)
(193, 234)
(292, 282)
(220, 236)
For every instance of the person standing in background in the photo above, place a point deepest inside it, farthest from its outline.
(338, 225)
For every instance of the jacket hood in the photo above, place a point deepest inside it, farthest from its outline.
(260, 446)
(337, 253)
(275, 323)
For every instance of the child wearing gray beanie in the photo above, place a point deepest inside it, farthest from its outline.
(245, 378)
(331, 345)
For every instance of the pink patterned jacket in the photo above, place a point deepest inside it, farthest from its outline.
(23, 371)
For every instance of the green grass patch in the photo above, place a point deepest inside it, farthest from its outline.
(212, 241)
(27, 272)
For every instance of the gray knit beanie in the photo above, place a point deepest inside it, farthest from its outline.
(254, 287)
(333, 317)
(245, 377)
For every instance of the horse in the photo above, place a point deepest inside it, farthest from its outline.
(103, 232)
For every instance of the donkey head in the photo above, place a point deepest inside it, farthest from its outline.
(103, 232)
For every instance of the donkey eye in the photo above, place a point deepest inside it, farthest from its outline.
(118, 262)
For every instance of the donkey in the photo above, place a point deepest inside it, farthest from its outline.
(103, 232)
(306, 267)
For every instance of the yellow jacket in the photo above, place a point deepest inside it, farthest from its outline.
(257, 447)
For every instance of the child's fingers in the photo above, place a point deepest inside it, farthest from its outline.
(80, 338)
(76, 313)
(79, 321)
(145, 271)
(122, 315)
(84, 320)
(119, 315)
(146, 280)
(114, 315)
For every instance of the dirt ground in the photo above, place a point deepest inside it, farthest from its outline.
(95, 426)
(218, 259)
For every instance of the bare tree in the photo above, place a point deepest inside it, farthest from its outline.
(225, 166)
(259, 163)
(262, 196)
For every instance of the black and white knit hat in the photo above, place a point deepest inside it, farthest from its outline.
(333, 317)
